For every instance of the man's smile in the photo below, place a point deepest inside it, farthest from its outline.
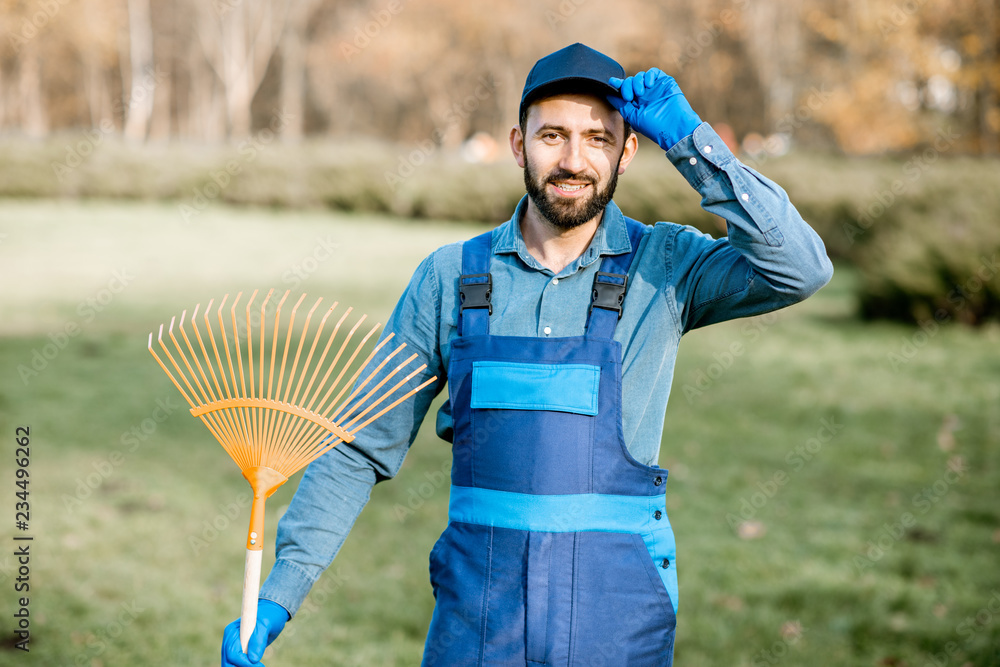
(569, 188)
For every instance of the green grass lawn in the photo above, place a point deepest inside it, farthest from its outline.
(834, 485)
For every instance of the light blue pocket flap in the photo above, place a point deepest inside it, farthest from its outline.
(522, 386)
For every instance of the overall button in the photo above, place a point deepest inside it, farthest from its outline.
(658, 481)
(665, 564)
(657, 515)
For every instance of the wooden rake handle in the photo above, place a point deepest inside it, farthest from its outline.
(264, 481)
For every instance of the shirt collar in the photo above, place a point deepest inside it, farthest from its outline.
(611, 239)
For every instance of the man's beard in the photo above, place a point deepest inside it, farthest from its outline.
(567, 213)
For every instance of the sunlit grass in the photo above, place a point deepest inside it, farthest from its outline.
(157, 523)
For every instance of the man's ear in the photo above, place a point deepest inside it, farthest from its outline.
(631, 147)
(517, 145)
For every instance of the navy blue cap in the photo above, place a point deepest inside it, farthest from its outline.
(574, 69)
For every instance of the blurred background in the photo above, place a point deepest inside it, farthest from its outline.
(835, 467)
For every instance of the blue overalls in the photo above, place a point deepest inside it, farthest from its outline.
(558, 549)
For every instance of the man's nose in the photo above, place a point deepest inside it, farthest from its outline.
(572, 157)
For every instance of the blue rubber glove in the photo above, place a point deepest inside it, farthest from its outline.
(653, 104)
(271, 619)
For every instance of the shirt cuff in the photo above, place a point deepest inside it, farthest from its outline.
(286, 585)
(700, 155)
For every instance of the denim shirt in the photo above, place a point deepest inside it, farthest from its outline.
(680, 279)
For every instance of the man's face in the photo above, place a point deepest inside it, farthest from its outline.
(572, 152)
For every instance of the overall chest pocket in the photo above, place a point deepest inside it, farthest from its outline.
(533, 425)
(571, 388)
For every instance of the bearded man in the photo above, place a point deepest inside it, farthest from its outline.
(557, 333)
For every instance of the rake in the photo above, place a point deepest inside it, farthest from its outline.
(275, 428)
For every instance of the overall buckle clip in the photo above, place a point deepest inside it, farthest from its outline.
(609, 294)
(476, 294)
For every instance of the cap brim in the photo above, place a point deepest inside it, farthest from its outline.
(568, 85)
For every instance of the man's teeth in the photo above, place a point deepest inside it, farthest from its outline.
(567, 186)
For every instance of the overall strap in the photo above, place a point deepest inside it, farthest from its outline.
(475, 287)
(610, 284)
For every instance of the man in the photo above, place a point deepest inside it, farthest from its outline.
(557, 334)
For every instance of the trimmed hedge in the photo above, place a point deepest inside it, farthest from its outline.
(921, 228)
(937, 259)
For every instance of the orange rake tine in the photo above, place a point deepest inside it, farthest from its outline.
(295, 364)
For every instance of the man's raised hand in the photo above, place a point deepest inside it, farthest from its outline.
(653, 104)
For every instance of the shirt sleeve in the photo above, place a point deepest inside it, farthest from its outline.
(336, 486)
(771, 259)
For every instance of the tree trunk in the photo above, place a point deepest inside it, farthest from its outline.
(236, 62)
(160, 122)
(34, 120)
(293, 70)
(238, 43)
(205, 118)
(989, 137)
(142, 76)
(3, 101)
(100, 104)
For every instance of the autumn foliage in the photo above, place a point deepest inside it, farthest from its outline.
(868, 77)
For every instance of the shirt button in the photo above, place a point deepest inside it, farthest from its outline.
(707, 149)
(547, 330)
(693, 160)
(657, 515)
(555, 281)
(745, 197)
